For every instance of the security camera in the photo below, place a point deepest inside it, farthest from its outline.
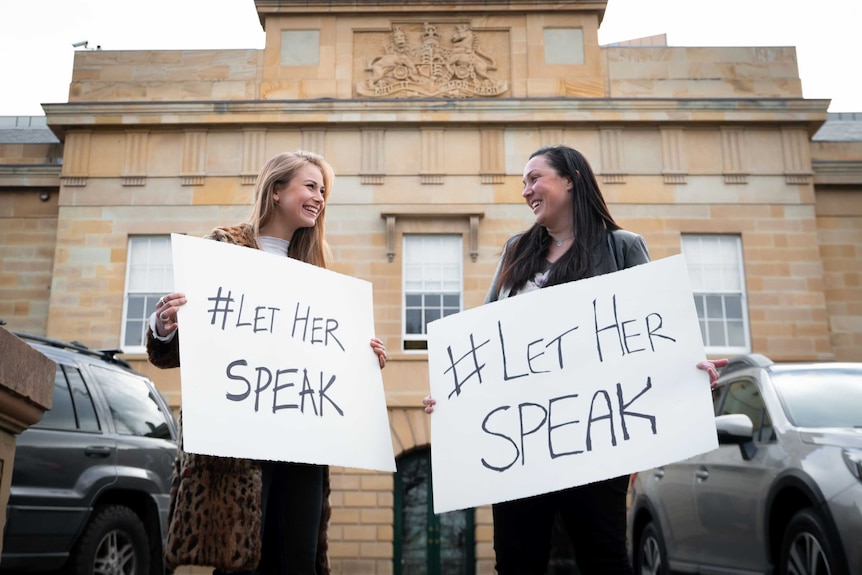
(81, 44)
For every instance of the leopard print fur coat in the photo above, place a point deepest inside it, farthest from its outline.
(215, 502)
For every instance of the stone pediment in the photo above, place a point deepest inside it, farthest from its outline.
(431, 59)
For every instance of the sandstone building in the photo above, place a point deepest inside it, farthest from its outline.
(427, 111)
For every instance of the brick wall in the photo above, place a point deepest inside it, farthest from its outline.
(28, 234)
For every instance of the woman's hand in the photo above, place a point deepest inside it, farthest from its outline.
(429, 404)
(711, 367)
(380, 350)
(166, 312)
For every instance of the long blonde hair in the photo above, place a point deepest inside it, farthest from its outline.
(307, 244)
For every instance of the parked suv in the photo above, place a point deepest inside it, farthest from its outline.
(91, 480)
(783, 491)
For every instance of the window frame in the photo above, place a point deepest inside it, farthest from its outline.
(423, 337)
(742, 293)
(150, 296)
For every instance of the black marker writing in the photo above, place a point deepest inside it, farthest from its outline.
(513, 427)
(626, 338)
(221, 306)
(477, 369)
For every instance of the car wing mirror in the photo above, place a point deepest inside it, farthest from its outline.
(736, 429)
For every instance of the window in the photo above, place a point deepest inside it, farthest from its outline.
(432, 283)
(73, 407)
(744, 397)
(149, 276)
(134, 408)
(717, 281)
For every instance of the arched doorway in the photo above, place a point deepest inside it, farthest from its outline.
(425, 543)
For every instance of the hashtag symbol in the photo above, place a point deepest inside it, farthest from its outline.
(469, 355)
(221, 306)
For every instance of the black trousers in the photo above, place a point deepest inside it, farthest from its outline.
(594, 516)
(292, 502)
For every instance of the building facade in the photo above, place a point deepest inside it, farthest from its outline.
(428, 112)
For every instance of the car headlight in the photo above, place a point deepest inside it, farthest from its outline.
(853, 459)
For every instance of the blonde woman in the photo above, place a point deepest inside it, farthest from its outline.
(240, 515)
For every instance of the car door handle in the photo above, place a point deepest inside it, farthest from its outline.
(702, 474)
(97, 451)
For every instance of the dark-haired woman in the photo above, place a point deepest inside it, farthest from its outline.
(574, 237)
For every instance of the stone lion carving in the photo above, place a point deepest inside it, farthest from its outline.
(396, 61)
(466, 60)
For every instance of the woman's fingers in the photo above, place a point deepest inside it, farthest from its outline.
(380, 350)
(711, 367)
(166, 312)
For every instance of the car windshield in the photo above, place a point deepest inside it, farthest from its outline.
(821, 397)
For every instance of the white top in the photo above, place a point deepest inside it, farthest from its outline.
(275, 246)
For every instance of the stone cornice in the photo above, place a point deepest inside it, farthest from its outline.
(278, 7)
(45, 175)
(837, 172)
(379, 112)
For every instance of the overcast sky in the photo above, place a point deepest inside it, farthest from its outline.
(36, 37)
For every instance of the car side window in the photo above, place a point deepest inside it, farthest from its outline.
(73, 407)
(85, 411)
(744, 397)
(134, 408)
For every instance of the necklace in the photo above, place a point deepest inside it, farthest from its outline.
(561, 242)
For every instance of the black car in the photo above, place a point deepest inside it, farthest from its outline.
(91, 480)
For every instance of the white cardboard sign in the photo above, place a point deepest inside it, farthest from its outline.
(275, 359)
(567, 385)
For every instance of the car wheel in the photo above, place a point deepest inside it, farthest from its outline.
(114, 543)
(806, 550)
(651, 557)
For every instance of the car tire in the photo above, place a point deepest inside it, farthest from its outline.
(805, 546)
(650, 557)
(114, 542)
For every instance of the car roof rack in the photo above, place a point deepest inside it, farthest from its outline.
(108, 355)
(745, 361)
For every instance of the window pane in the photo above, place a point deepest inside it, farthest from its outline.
(699, 305)
(62, 414)
(733, 307)
(714, 306)
(735, 333)
(432, 299)
(743, 397)
(413, 300)
(413, 481)
(453, 300)
(430, 315)
(133, 407)
(715, 333)
(413, 321)
(83, 401)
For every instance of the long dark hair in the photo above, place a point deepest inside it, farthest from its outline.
(591, 221)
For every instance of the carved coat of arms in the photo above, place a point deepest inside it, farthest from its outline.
(428, 68)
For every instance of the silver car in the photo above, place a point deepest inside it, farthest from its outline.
(781, 494)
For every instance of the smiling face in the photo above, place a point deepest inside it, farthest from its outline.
(549, 195)
(298, 202)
